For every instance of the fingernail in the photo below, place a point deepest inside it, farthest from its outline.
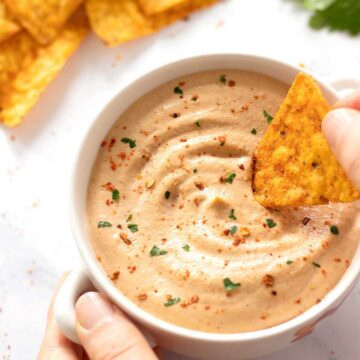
(91, 309)
(334, 124)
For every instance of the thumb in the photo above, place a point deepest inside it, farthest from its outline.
(106, 333)
(341, 128)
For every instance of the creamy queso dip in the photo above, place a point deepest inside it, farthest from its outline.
(173, 222)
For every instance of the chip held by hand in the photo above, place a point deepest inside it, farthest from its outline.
(293, 164)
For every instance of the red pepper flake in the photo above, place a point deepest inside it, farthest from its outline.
(305, 220)
(131, 268)
(200, 186)
(337, 259)
(268, 280)
(183, 140)
(113, 165)
(207, 307)
(112, 143)
(245, 107)
(109, 202)
(238, 241)
(256, 97)
(142, 297)
(274, 293)
(195, 299)
(226, 232)
(231, 83)
(347, 262)
(196, 201)
(222, 140)
(122, 155)
(115, 275)
(263, 317)
(182, 83)
(242, 167)
(233, 111)
(119, 226)
(323, 271)
(103, 143)
(108, 186)
(298, 301)
(125, 239)
(175, 115)
(318, 301)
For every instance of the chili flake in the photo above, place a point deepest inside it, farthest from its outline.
(268, 280)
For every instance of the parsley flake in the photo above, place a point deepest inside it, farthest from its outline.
(167, 194)
(195, 171)
(198, 123)
(104, 224)
(334, 230)
(129, 218)
(131, 142)
(270, 223)
(172, 301)
(254, 131)
(115, 194)
(289, 262)
(229, 285)
(133, 228)
(155, 251)
(233, 229)
(194, 98)
(186, 247)
(222, 78)
(268, 117)
(316, 264)
(230, 178)
(178, 90)
(232, 214)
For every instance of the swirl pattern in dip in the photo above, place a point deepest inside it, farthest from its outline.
(172, 218)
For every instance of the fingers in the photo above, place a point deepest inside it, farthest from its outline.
(106, 333)
(352, 101)
(55, 345)
(341, 127)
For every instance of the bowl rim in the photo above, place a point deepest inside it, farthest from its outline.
(98, 276)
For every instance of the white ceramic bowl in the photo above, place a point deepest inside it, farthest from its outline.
(188, 342)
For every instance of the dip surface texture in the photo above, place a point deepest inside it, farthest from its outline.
(172, 219)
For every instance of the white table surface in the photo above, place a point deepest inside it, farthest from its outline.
(36, 245)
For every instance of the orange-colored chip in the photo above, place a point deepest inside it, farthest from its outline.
(43, 18)
(26, 68)
(118, 21)
(151, 7)
(8, 25)
(293, 164)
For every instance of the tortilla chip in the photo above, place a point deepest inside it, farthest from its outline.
(26, 68)
(43, 18)
(8, 25)
(118, 21)
(180, 12)
(293, 164)
(151, 7)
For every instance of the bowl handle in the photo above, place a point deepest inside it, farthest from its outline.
(76, 284)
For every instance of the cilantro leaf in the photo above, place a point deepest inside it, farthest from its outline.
(103, 224)
(133, 228)
(229, 285)
(155, 251)
(172, 301)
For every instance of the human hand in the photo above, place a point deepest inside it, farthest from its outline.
(341, 127)
(104, 332)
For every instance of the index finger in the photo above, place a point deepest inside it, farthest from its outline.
(352, 101)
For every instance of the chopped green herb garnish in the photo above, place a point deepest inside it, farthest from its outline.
(195, 171)
(198, 123)
(167, 194)
(129, 218)
(289, 262)
(229, 285)
(133, 228)
(194, 98)
(233, 229)
(254, 131)
(186, 247)
(270, 223)
(103, 224)
(316, 264)
(232, 214)
(155, 251)
(230, 178)
(222, 78)
(268, 117)
(115, 194)
(334, 230)
(222, 143)
(172, 301)
(131, 142)
(178, 90)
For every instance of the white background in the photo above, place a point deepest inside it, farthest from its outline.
(36, 245)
